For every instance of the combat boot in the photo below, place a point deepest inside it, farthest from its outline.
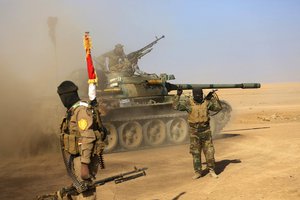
(213, 174)
(197, 175)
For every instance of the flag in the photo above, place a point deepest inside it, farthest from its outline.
(89, 62)
(90, 67)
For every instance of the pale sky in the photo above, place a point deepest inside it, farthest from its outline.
(206, 41)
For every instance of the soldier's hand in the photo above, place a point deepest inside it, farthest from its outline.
(179, 91)
(85, 172)
(94, 103)
(211, 94)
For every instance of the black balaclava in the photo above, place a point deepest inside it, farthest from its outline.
(198, 95)
(67, 91)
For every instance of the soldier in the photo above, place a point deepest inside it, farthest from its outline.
(115, 61)
(82, 138)
(200, 134)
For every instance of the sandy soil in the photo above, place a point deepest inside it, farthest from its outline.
(257, 158)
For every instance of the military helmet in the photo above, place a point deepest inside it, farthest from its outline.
(66, 87)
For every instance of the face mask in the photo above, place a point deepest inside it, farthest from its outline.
(198, 95)
(69, 99)
(67, 92)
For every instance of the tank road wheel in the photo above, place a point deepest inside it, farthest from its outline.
(177, 130)
(112, 137)
(131, 135)
(154, 132)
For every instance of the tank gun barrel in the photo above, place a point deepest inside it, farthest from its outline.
(171, 87)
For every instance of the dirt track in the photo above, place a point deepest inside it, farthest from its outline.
(261, 162)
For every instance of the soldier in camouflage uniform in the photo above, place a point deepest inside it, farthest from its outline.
(82, 137)
(115, 61)
(200, 134)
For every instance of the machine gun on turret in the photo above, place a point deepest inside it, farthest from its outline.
(133, 57)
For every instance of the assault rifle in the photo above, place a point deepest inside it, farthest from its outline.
(134, 56)
(71, 190)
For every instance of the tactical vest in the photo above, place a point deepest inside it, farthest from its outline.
(199, 113)
(72, 137)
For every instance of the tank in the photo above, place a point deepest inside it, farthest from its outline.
(136, 107)
(137, 110)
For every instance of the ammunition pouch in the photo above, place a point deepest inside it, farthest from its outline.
(71, 144)
(70, 141)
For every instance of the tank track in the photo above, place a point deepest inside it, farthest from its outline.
(161, 126)
(139, 122)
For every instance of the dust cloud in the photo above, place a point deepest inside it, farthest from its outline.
(52, 23)
(35, 58)
(26, 119)
(40, 48)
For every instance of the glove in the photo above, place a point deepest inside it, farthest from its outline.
(179, 91)
(85, 172)
(94, 103)
(211, 95)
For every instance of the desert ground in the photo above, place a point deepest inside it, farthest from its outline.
(257, 157)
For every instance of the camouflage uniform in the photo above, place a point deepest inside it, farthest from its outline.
(199, 129)
(115, 60)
